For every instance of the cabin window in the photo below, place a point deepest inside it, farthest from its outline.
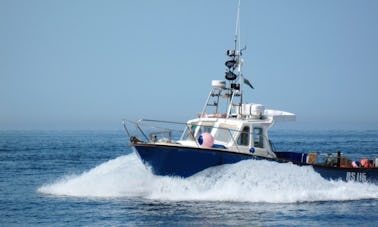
(244, 137)
(188, 133)
(224, 133)
(203, 129)
(206, 129)
(258, 137)
(196, 131)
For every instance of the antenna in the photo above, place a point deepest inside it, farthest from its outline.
(233, 71)
(238, 53)
(237, 29)
(234, 64)
(232, 91)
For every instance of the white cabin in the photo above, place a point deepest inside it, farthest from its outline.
(241, 128)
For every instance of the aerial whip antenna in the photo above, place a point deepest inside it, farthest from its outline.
(234, 69)
(237, 29)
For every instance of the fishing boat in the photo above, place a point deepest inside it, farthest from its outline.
(229, 130)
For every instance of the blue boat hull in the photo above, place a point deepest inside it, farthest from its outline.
(186, 161)
(348, 174)
(332, 172)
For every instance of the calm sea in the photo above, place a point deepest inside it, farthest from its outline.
(92, 178)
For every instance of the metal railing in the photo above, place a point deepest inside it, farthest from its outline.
(139, 129)
(154, 131)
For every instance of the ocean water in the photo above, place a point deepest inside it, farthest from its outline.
(93, 178)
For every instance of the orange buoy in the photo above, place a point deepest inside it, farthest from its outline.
(365, 163)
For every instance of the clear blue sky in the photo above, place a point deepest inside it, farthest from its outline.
(88, 64)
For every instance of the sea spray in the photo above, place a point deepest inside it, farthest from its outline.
(123, 176)
(246, 181)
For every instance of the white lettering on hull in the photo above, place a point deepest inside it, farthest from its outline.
(355, 176)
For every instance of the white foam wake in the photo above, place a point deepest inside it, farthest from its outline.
(246, 181)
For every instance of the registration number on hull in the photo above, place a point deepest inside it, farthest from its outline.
(354, 176)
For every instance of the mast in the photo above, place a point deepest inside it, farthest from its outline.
(232, 90)
(238, 52)
(233, 73)
(237, 28)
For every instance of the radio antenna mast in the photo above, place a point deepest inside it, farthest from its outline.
(237, 29)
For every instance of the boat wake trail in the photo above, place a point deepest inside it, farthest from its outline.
(246, 181)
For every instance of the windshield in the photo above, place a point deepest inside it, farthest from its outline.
(223, 134)
(195, 130)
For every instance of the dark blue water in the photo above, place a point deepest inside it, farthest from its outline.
(93, 178)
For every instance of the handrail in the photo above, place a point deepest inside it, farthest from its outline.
(125, 127)
(162, 121)
(188, 126)
(136, 126)
(191, 133)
